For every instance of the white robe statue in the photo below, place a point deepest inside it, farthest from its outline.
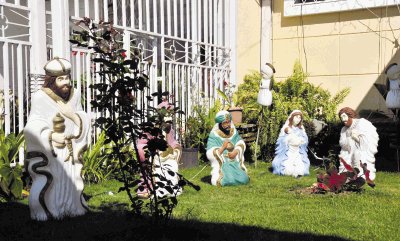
(265, 95)
(393, 96)
(55, 144)
(358, 142)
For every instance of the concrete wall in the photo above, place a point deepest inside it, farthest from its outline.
(248, 37)
(346, 49)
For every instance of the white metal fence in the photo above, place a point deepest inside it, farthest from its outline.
(185, 45)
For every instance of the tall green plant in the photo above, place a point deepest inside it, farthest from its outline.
(122, 80)
(10, 171)
(96, 166)
(293, 93)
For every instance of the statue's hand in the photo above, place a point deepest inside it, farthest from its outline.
(225, 145)
(355, 135)
(233, 154)
(67, 111)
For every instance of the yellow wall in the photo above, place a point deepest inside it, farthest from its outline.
(339, 50)
(248, 37)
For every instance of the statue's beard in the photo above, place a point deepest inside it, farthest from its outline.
(225, 131)
(63, 91)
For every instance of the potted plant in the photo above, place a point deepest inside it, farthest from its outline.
(190, 148)
(231, 102)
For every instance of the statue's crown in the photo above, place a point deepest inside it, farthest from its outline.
(57, 67)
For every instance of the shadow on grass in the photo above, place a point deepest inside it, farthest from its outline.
(206, 179)
(114, 223)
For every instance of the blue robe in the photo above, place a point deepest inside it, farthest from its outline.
(284, 152)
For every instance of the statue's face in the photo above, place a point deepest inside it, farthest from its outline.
(63, 84)
(346, 120)
(226, 124)
(296, 120)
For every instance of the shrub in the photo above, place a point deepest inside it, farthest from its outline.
(10, 171)
(293, 93)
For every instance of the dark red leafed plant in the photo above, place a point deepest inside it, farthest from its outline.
(333, 181)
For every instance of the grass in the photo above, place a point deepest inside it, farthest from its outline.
(269, 208)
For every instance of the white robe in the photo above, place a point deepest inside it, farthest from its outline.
(353, 152)
(57, 184)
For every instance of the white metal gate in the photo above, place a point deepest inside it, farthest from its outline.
(185, 44)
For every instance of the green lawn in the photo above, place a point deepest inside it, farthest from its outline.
(278, 203)
(269, 208)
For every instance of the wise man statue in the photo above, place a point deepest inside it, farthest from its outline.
(225, 151)
(56, 137)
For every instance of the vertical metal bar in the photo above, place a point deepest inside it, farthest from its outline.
(88, 90)
(96, 11)
(181, 18)
(20, 89)
(115, 12)
(78, 71)
(175, 83)
(27, 80)
(76, 8)
(232, 39)
(170, 70)
(123, 10)
(148, 24)
(176, 34)
(87, 8)
(6, 89)
(169, 18)
(105, 9)
(199, 22)
(215, 22)
(194, 30)
(205, 22)
(226, 24)
(220, 18)
(3, 26)
(162, 44)
(188, 19)
(189, 88)
(132, 14)
(155, 16)
(210, 22)
(140, 9)
(13, 81)
(183, 88)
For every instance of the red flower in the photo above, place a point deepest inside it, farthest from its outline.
(82, 53)
(123, 54)
(74, 53)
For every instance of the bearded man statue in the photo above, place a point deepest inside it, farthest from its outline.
(225, 151)
(56, 137)
(358, 142)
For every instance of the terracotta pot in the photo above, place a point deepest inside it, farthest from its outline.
(237, 113)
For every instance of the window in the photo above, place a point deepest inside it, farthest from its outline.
(308, 7)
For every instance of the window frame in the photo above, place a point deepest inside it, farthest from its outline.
(292, 9)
